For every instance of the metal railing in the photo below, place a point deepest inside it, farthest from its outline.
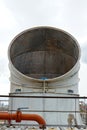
(7, 105)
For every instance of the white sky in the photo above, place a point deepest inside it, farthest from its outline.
(18, 15)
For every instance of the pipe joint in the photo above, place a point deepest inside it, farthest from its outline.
(18, 116)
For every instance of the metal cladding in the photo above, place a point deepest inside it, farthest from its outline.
(44, 61)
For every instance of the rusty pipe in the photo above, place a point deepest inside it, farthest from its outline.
(19, 116)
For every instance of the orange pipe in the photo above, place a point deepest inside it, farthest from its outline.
(18, 116)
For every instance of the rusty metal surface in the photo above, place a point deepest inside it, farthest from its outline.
(44, 52)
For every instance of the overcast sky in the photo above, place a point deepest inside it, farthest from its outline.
(18, 15)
